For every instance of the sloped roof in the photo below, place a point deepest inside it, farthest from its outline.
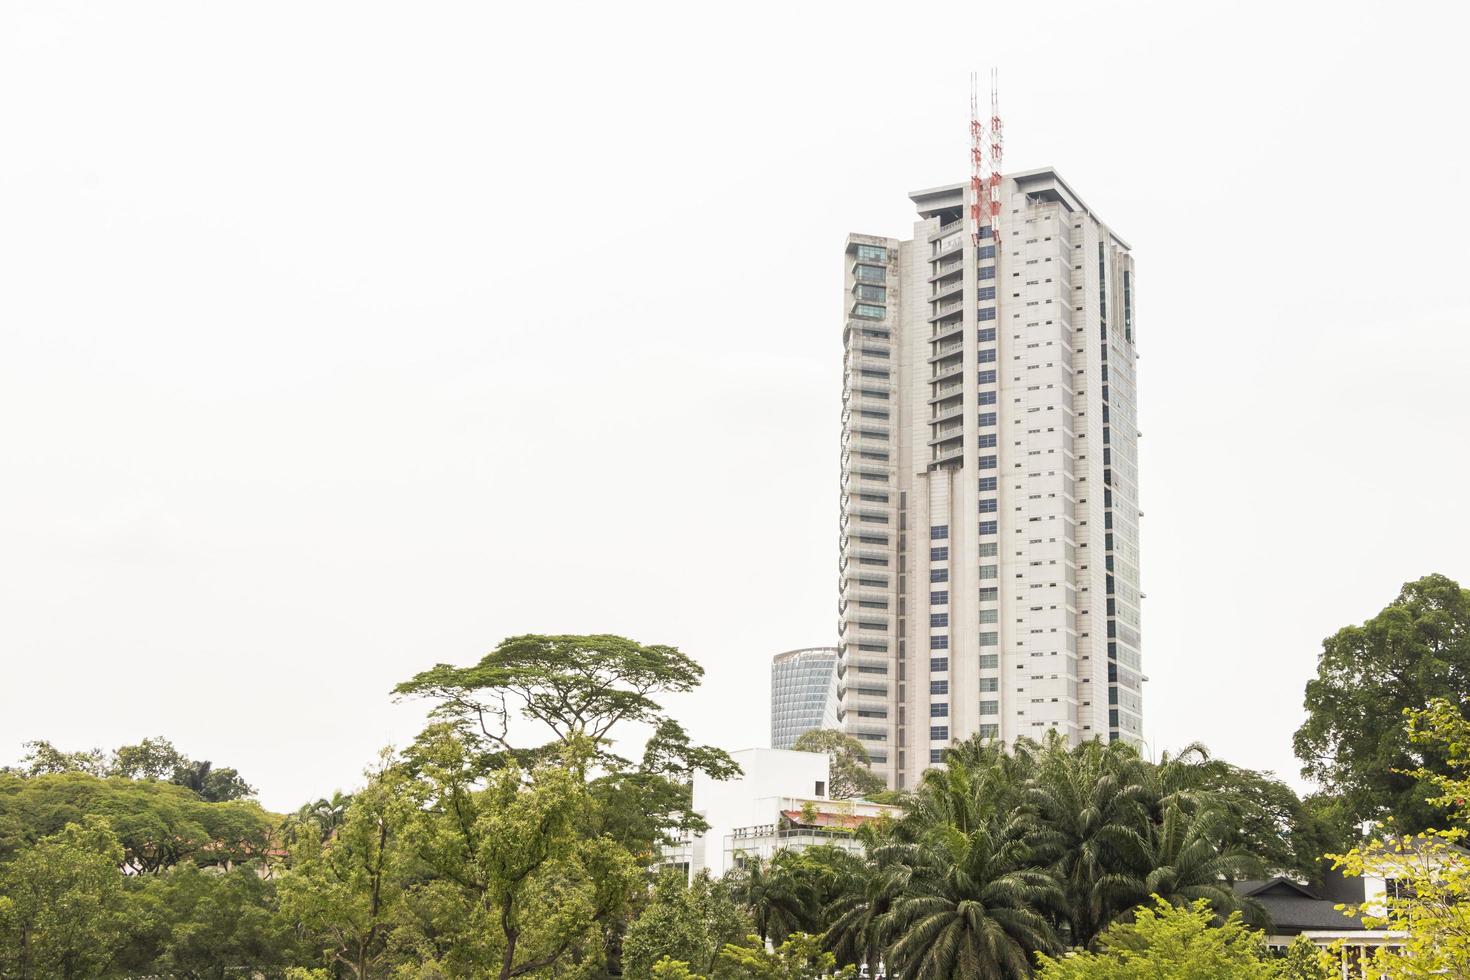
(1294, 907)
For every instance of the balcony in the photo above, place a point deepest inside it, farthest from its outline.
(948, 369)
(947, 227)
(943, 310)
(949, 451)
(944, 329)
(944, 391)
(947, 269)
(946, 348)
(947, 288)
(944, 412)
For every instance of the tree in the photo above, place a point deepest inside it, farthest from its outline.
(158, 824)
(849, 775)
(210, 924)
(644, 807)
(1189, 862)
(967, 905)
(1431, 904)
(43, 758)
(577, 686)
(580, 688)
(800, 957)
(153, 758)
(1169, 942)
(211, 784)
(345, 895)
(1092, 804)
(781, 897)
(689, 922)
(525, 893)
(61, 905)
(1417, 648)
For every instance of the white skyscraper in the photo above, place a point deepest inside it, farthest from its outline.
(989, 559)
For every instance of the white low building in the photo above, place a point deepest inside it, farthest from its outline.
(779, 802)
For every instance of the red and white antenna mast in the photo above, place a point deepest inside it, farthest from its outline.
(978, 197)
(997, 145)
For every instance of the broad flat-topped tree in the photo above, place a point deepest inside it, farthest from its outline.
(575, 685)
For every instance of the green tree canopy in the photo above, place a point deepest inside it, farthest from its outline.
(158, 824)
(1169, 942)
(1416, 649)
(62, 905)
(685, 921)
(849, 775)
(153, 758)
(577, 686)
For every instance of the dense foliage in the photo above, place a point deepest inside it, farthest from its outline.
(1413, 651)
(477, 852)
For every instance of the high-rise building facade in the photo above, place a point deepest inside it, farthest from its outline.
(989, 559)
(803, 693)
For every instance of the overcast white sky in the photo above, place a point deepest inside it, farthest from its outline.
(338, 339)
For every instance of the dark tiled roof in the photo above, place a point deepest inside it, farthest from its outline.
(1293, 907)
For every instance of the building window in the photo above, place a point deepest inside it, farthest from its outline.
(989, 615)
(986, 378)
(988, 549)
(872, 312)
(987, 398)
(989, 571)
(939, 711)
(987, 419)
(938, 643)
(987, 462)
(985, 252)
(871, 273)
(939, 575)
(989, 661)
(986, 355)
(987, 483)
(939, 532)
(987, 439)
(936, 755)
(937, 620)
(986, 292)
(989, 639)
(988, 527)
(939, 687)
(989, 505)
(876, 294)
(991, 594)
(985, 272)
(986, 313)
(939, 733)
(939, 554)
(938, 665)
(990, 707)
(872, 253)
(939, 598)
(989, 685)
(990, 731)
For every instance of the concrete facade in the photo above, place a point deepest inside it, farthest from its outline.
(779, 802)
(803, 693)
(988, 573)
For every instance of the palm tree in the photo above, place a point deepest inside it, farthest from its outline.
(1188, 860)
(779, 894)
(966, 905)
(1091, 803)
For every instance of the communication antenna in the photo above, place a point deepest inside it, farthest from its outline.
(979, 199)
(997, 146)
